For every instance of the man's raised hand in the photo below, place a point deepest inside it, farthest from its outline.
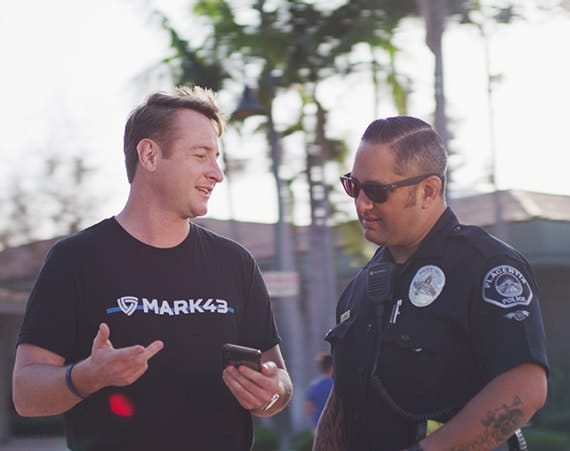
(122, 366)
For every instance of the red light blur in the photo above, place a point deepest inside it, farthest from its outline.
(121, 405)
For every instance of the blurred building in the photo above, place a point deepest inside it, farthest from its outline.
(536, 224)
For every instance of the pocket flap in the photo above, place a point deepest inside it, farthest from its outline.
(340, 330)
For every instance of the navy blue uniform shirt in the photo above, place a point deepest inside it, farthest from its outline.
(463, 309)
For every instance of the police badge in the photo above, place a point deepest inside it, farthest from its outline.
(426, 285)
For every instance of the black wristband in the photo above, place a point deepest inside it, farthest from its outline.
(415, 447)
(69, 383)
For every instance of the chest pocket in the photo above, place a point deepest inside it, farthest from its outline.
(352, 353)
(434, 363)
(339, 332)
(352, 299)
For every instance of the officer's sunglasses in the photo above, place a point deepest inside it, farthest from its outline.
(377, 192)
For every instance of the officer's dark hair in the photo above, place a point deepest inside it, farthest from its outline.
(417, 147)
(325, 361)
(153, 118)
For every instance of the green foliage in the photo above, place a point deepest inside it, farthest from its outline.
(266, 439)
(551, 425)
(302, 441)
(558, 422)
(356, 245)
(558, 400)
(193, 68)
(544, 440)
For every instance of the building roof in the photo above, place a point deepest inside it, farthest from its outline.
(23, 261)
(516, 206)
(255, 236)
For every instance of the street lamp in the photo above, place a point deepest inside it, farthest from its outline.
(247, 107)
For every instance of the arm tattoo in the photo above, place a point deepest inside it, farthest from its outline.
(329, 435)
(499, 425)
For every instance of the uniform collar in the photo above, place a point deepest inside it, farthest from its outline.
(433, 243)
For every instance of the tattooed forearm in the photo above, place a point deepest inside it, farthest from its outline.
(499, 425)
(329, 435)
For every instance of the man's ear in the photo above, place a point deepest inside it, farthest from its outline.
(431, 190)
(148, 150)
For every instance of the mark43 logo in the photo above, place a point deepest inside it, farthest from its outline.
(130, 304)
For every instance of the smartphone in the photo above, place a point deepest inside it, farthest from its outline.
(241, 355)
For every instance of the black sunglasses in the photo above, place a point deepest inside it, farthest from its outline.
(377, 192)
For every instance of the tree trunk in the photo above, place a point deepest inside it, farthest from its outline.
(434, 13)
(321, 291)
(287, 309)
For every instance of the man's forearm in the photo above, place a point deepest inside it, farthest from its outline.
(40, 390)
(329, 433)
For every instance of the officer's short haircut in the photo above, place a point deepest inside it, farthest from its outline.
(417, 147)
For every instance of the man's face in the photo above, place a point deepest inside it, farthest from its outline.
(187, 167)
(394, 222)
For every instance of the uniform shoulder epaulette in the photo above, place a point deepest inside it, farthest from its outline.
(483, 242)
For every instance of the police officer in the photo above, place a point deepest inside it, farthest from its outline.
(439, 342)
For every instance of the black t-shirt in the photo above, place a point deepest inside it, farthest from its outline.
(464, 309)
(196, 296)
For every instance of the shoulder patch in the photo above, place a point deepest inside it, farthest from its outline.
(505, 286)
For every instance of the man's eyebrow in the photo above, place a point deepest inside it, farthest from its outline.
(205, 147)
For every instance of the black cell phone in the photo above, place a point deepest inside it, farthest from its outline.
(241, 355)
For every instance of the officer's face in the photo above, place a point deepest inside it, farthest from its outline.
(395, 222)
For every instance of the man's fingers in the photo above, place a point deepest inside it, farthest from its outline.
(269, 368)
(128, 352)
(152, 349)
(102, 337)
(249, 387)
(138, 351)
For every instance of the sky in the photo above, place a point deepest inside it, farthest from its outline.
(72, 71)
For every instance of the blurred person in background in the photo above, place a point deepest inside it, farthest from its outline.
(319, 389)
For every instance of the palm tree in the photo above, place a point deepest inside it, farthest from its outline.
(436, 13)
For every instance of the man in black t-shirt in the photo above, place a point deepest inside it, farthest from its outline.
(125, 323)
(439, 343)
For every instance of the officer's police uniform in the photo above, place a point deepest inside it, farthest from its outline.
(463, 309)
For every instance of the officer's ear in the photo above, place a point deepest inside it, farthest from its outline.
(431, 190)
